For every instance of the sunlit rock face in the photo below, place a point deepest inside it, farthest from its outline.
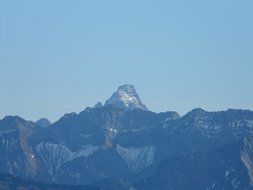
(126, 97)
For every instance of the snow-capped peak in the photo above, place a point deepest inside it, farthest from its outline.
(127, 98)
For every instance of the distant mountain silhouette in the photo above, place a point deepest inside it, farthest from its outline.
(43, 122)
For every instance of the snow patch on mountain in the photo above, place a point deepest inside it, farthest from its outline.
(137, 158)
(9, 143)
(84, 152)
(126, 97)
(55, 155)
(249, 123)
(241, 127)
(5, 132)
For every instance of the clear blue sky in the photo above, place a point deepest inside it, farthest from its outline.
(59, 56)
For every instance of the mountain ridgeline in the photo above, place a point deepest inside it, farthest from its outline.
(121, 145)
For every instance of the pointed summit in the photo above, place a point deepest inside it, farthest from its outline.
(126, 97)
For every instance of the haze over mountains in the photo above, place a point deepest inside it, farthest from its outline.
(123, 145)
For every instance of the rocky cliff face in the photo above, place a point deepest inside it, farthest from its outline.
(117, 148)
(126, 97)
(138, 147)
(17, 155)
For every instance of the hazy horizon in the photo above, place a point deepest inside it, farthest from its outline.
(92, 105)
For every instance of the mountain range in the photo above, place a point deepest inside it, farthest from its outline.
(122, 145)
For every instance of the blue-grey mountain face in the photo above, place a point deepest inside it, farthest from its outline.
(43, 122)
(126, 97)
(220, 168)
(8, 182)
(16, 155)
(98, 105)
(127, 147)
